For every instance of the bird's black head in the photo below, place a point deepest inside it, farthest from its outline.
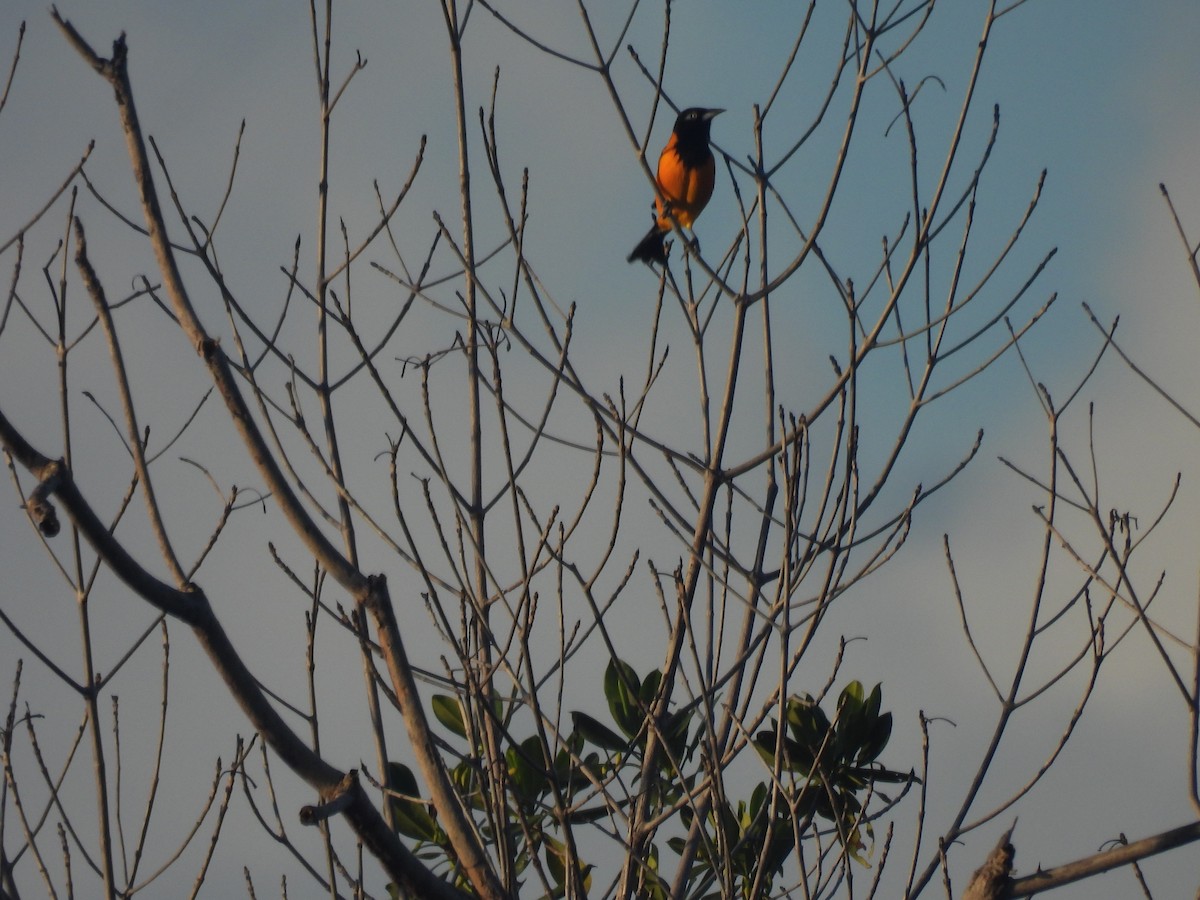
(693, 124)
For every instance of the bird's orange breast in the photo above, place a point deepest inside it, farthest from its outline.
(686, 188)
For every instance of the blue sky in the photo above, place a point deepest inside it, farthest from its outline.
(1101, 94)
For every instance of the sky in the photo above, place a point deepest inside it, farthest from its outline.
(1100, 95)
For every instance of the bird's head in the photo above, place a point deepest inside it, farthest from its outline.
(694, 123)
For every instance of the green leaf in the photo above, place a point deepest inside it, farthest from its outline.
(597, 733)
(556, 860)
(852, 694)
(807, 722)
(649, 688)
(797, 757)
(856, 847)
(556, 864)
(675, 730)
(726, 820)
(401, 779)
(886, 776)
(764, 743)
(877, 740)
(862, 733)
(873, 702)
(449, 712)
(621, 685)
(782, 844)
(410, 817)
(852, 726)
(523, 767)
(588, 815)
(656, 888)
(466, 783)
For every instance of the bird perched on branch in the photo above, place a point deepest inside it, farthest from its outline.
(686, 174)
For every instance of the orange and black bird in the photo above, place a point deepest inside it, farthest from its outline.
(686, 174)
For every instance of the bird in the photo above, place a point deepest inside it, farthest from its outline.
(686, 175)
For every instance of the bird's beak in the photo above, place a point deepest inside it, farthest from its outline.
(710, 114)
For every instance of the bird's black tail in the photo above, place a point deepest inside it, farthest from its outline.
(652, 248)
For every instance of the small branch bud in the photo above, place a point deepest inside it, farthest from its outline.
(39, 507)
(338, 801)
